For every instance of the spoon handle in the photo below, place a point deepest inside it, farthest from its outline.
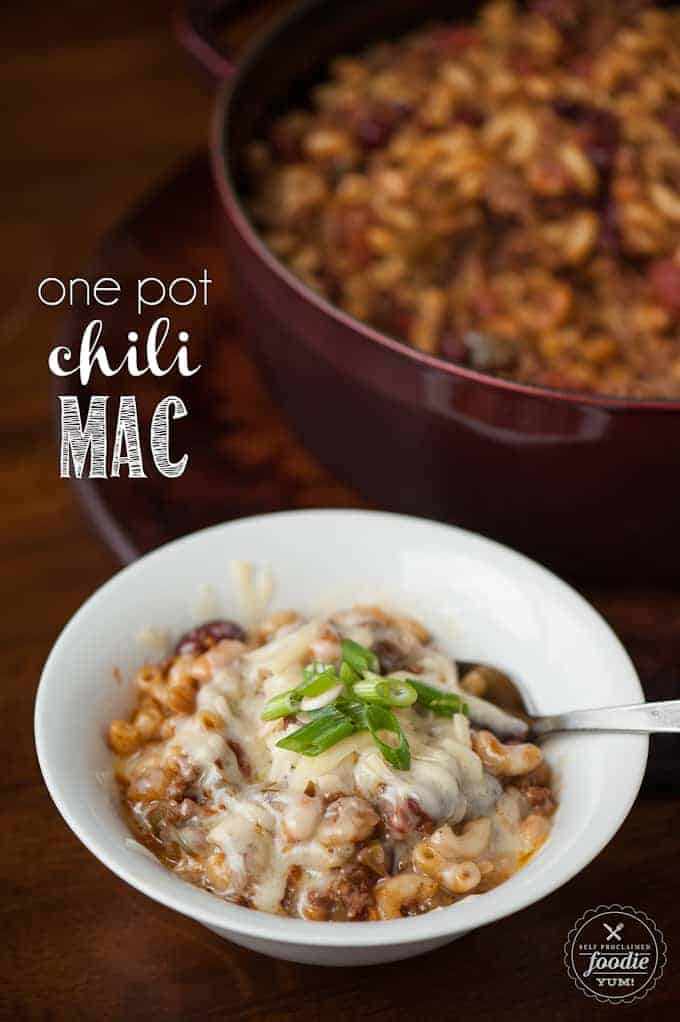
(643, 718)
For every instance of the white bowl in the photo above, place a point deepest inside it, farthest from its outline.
(482, 600)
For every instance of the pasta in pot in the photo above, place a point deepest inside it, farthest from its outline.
(386, 800)
(503, 194)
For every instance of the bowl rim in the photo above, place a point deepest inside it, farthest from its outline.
(226, 186)
(470, 913)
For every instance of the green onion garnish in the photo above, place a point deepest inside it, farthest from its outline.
(317, 684)
(285, 704)
(384, 691)
(327, 728)
(443, 704)
(358, 657)
(355, 710)
(347, 674)
(363, 705)
(314, 669)
(345, 717)
(317, 679)
(381, 721)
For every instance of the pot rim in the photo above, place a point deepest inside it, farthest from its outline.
(235, 208)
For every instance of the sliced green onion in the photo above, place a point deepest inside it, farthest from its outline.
(314, 669)
(285, 704)
(355, 710)
(385, 691)
(443, 704)
(326, 729)
(379, 721)
(347, 674)
(401, 693)
(317, 684)
(358, 657)
(317, 679)
(449, 706)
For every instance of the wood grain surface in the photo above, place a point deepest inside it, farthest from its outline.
(98, 105)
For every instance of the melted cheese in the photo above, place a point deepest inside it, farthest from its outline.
(266, 803)
(202, 747)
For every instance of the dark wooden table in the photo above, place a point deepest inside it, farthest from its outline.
(98, 105)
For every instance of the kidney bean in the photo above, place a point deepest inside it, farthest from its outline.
(600, 134)
(351, 226)
(484, 302)
(561, 380)
(374, 127)
(199, 639)
(610, 234)
(407, 816)
(522, 61)
(672, 120)
(453, 40)
(374, 130)
(597, 131)
(401, 108)
(664, 277)
(390, 656)
(568, 109)
(563, 13)
(397, 319)
(286, 143)
(453, 348)
(469, 115)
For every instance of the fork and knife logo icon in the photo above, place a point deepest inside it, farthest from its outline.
(615, 954)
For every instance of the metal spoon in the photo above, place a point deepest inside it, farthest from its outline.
(507, 715)
(641, 718)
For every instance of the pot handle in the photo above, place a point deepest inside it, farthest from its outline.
(197, 24)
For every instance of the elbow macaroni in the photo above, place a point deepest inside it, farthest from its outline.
(341, 835)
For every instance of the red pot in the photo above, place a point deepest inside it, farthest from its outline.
(588, 484)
